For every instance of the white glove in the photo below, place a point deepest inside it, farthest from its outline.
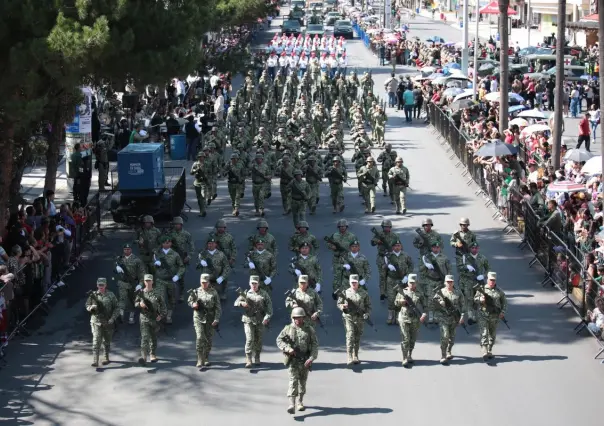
(219, 280)
(268, 281)
(251, 265)
(157, 263)
(429, 266)
(470, 268)
(480, 278)
(362, 282)
(297, 271)
(346, 266)
(138, 287)
(119, 269)
(391, 268)
(318, 287)
(203, 263)
(175, 278)
(91, 307)
(405, 279)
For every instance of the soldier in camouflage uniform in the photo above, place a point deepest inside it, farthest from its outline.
(103, 307)
(355, 263)
(130, 270)
(488, 317)
(425, 237)
(472, 269)
(355, 305)
(299, 343)
(343, 237)
(169, 269)
(236, 179)
(258, 311)
(379, 119)
(305, 297)
(214, 263)
(314, 177)
(385, 159)
(409, 319)
(369, 177)
(153, 310)
(308, 265)
(300, 193)
(398, 265)
(366, 83)
(225, 241)
(285, 171)
(399, 178)
(182, 243)
(100, 151)
(270, 242)
(147, 239)
(384, 241)
(262, 263)
(448, 319)
(462, 239)
(201, 169)
(261, 174)
(433, 269)
(303, 236)
(337, 176)
(206, 314)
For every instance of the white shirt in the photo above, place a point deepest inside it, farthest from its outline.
(533, 176)
(342, 62)
(494, 86)
(219, 104)
(214, 81)
(303, 62)
(271, 62)
(282, 61)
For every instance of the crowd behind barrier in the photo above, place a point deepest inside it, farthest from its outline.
(565, 266)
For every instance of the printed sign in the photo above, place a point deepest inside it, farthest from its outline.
(82, 120)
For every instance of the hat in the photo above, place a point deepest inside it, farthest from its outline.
(474, 244)
(354, 243)
(302, 279)
(254, 279)
(148, 277)
(412, 278)
(212, 240)
(101, 281)
(205, 278)
(449, 278)
(354, 278)
(127, 246)
(165, 239)
(435, 244)
(260, 241)
(492, 275)
(297, 172)
(304, 244)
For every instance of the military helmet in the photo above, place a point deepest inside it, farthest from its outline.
(370, 160)
(297, 172)
(386, 222)
(234, 156)
(311, 158)
(259, 155)
(221, 223)
(177, 220)
(427, 221)
(464, 221)
(388, 146)
(298, 312)
(342, 222)
(262, 224)
(148, 219)
(398, 159)
(303, 224)
(201, 154)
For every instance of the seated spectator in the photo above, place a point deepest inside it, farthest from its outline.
(596, 318)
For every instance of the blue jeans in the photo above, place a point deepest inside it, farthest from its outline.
(391, 99)
(408, 112)
(594, 126)
(594, 329)
(574, 107)
(192, 148)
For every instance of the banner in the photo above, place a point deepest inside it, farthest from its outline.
(82, 120)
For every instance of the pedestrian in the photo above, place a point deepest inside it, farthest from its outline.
(103, 307)
(409, 103)
(594, 119)
(206, 314)
(584, 130)
(192, 133)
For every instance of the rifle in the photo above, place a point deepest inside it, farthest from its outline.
(100, 311)
(148, 305)
(296, 189)
(292, 293)
(257, 173)
(451, 310)
(210, 265)
(356, 309)
(313, 173)
(298, 354)
(464, 249)
(441, 276)
(337, 174)
(367, 178)
(260, 272)
(233, 178)
(340, 249)
(200, 309)
(424, 237)
(126, 274)
(377, 235)
(296, 265)
(397, 180)
(252, 306)
(410, 303)
(490, 304)
(163, 261)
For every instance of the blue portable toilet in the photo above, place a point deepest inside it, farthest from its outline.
(140, 166)
(178, 147)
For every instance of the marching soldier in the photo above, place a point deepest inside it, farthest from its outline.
(379, 127)
(410, 316)
(462, 239)
(385, 159)
(450, 310)
(492, 306)
(153, 310)
(235, 173)
(300, 193)
(147, 239)
(225, 241)
(303, 236)
(258, 311)
(261, 174)
(262, 263)
(182, 243)
(384, 241)
(472, 269)
(130, 270)
(308, 265)
(206, 314)
(369, 176)
(201, 169)
(103, 307)
(426, 237)
(102, 158)
(433, 269)
(270, 243)
(337, 176)
(169, 269)
(355, 263)
(299, 343)
(314, 177)
(306, 298)
(398, 265)
(356, 308)
(285, 171)
(399, 178)
(343, 238)
(215, 264)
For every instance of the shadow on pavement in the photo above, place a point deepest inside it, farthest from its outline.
(343, 411)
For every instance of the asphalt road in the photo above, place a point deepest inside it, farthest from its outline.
(543, 373)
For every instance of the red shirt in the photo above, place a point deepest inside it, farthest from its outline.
(584, 127)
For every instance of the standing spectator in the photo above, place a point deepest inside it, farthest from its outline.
(419, 101)
(575, 102)
(409, 99)
(382, 53)
(584, 132)
(219, 108)
(192, 132)
(594, 119)
(3, 255)
(390, 85)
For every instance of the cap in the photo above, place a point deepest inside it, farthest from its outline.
(474, 244)
(297, 172)
(435, 244)
(302, 224)
(449, 278)
(127, 246)
(148, 277)
(165, 239)
(221, 223)
(177, 220)
(205, 278)
(298, 312)
(354, 243)
(101, 281)
(260, 241)
(212, 240)
(254, 279)
(412, 278)
(304, 244)
(492, 275)
(148, 219)
(302, 279)
(354, 278)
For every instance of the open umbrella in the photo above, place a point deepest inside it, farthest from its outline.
(593, 166)
(496, 148)
(535, 128)
(454, 66)
(453, 91)
(461, 104)
(435, 39)
(578, 155)
(520, 122)
(532, 113)
(494, 97)
(565, 186)
(467, 93)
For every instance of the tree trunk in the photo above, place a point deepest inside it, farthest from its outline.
(504, 79)
(601, 76)
(6, 173)
(19, 164)
(52, 153)
(559, 96)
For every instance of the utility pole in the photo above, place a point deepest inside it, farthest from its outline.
(559, 96)
(464, 39)
(530, 23)
(504, 65)
(475, 77)
(601, 61)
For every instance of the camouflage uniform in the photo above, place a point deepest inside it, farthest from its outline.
(337, 176)
(225, 241)
(306, 265)
(182, 243)
(369, 178)
(403, 262)
(389, 238)
(308, 300)
(408, 320)
(300, 193)
(488, 321)
(217, 267)
(156, 306)
(170, 266)
(285, 171)
(208, 312)
(432, 237)
(261, 174)
(399, 178)
(101, 320)
(344, 239)
(472, 270)
(201, 169)
(296, 240)
(359, 308)
(103, 162)
(433, 279)
(270, 242)
(236, 178)
(358, 265)
(150, 243)
(314, 175)
(386, 160)
(446, 320)
(263, 263)
(260, 309)
(133, 274)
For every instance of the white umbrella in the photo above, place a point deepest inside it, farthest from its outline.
(532, 113)
(453, 91)
(520, 122)
(535, 128)
(494, 97)
(578, 155)
(467, 93)
(593, 166)
(565, 186)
